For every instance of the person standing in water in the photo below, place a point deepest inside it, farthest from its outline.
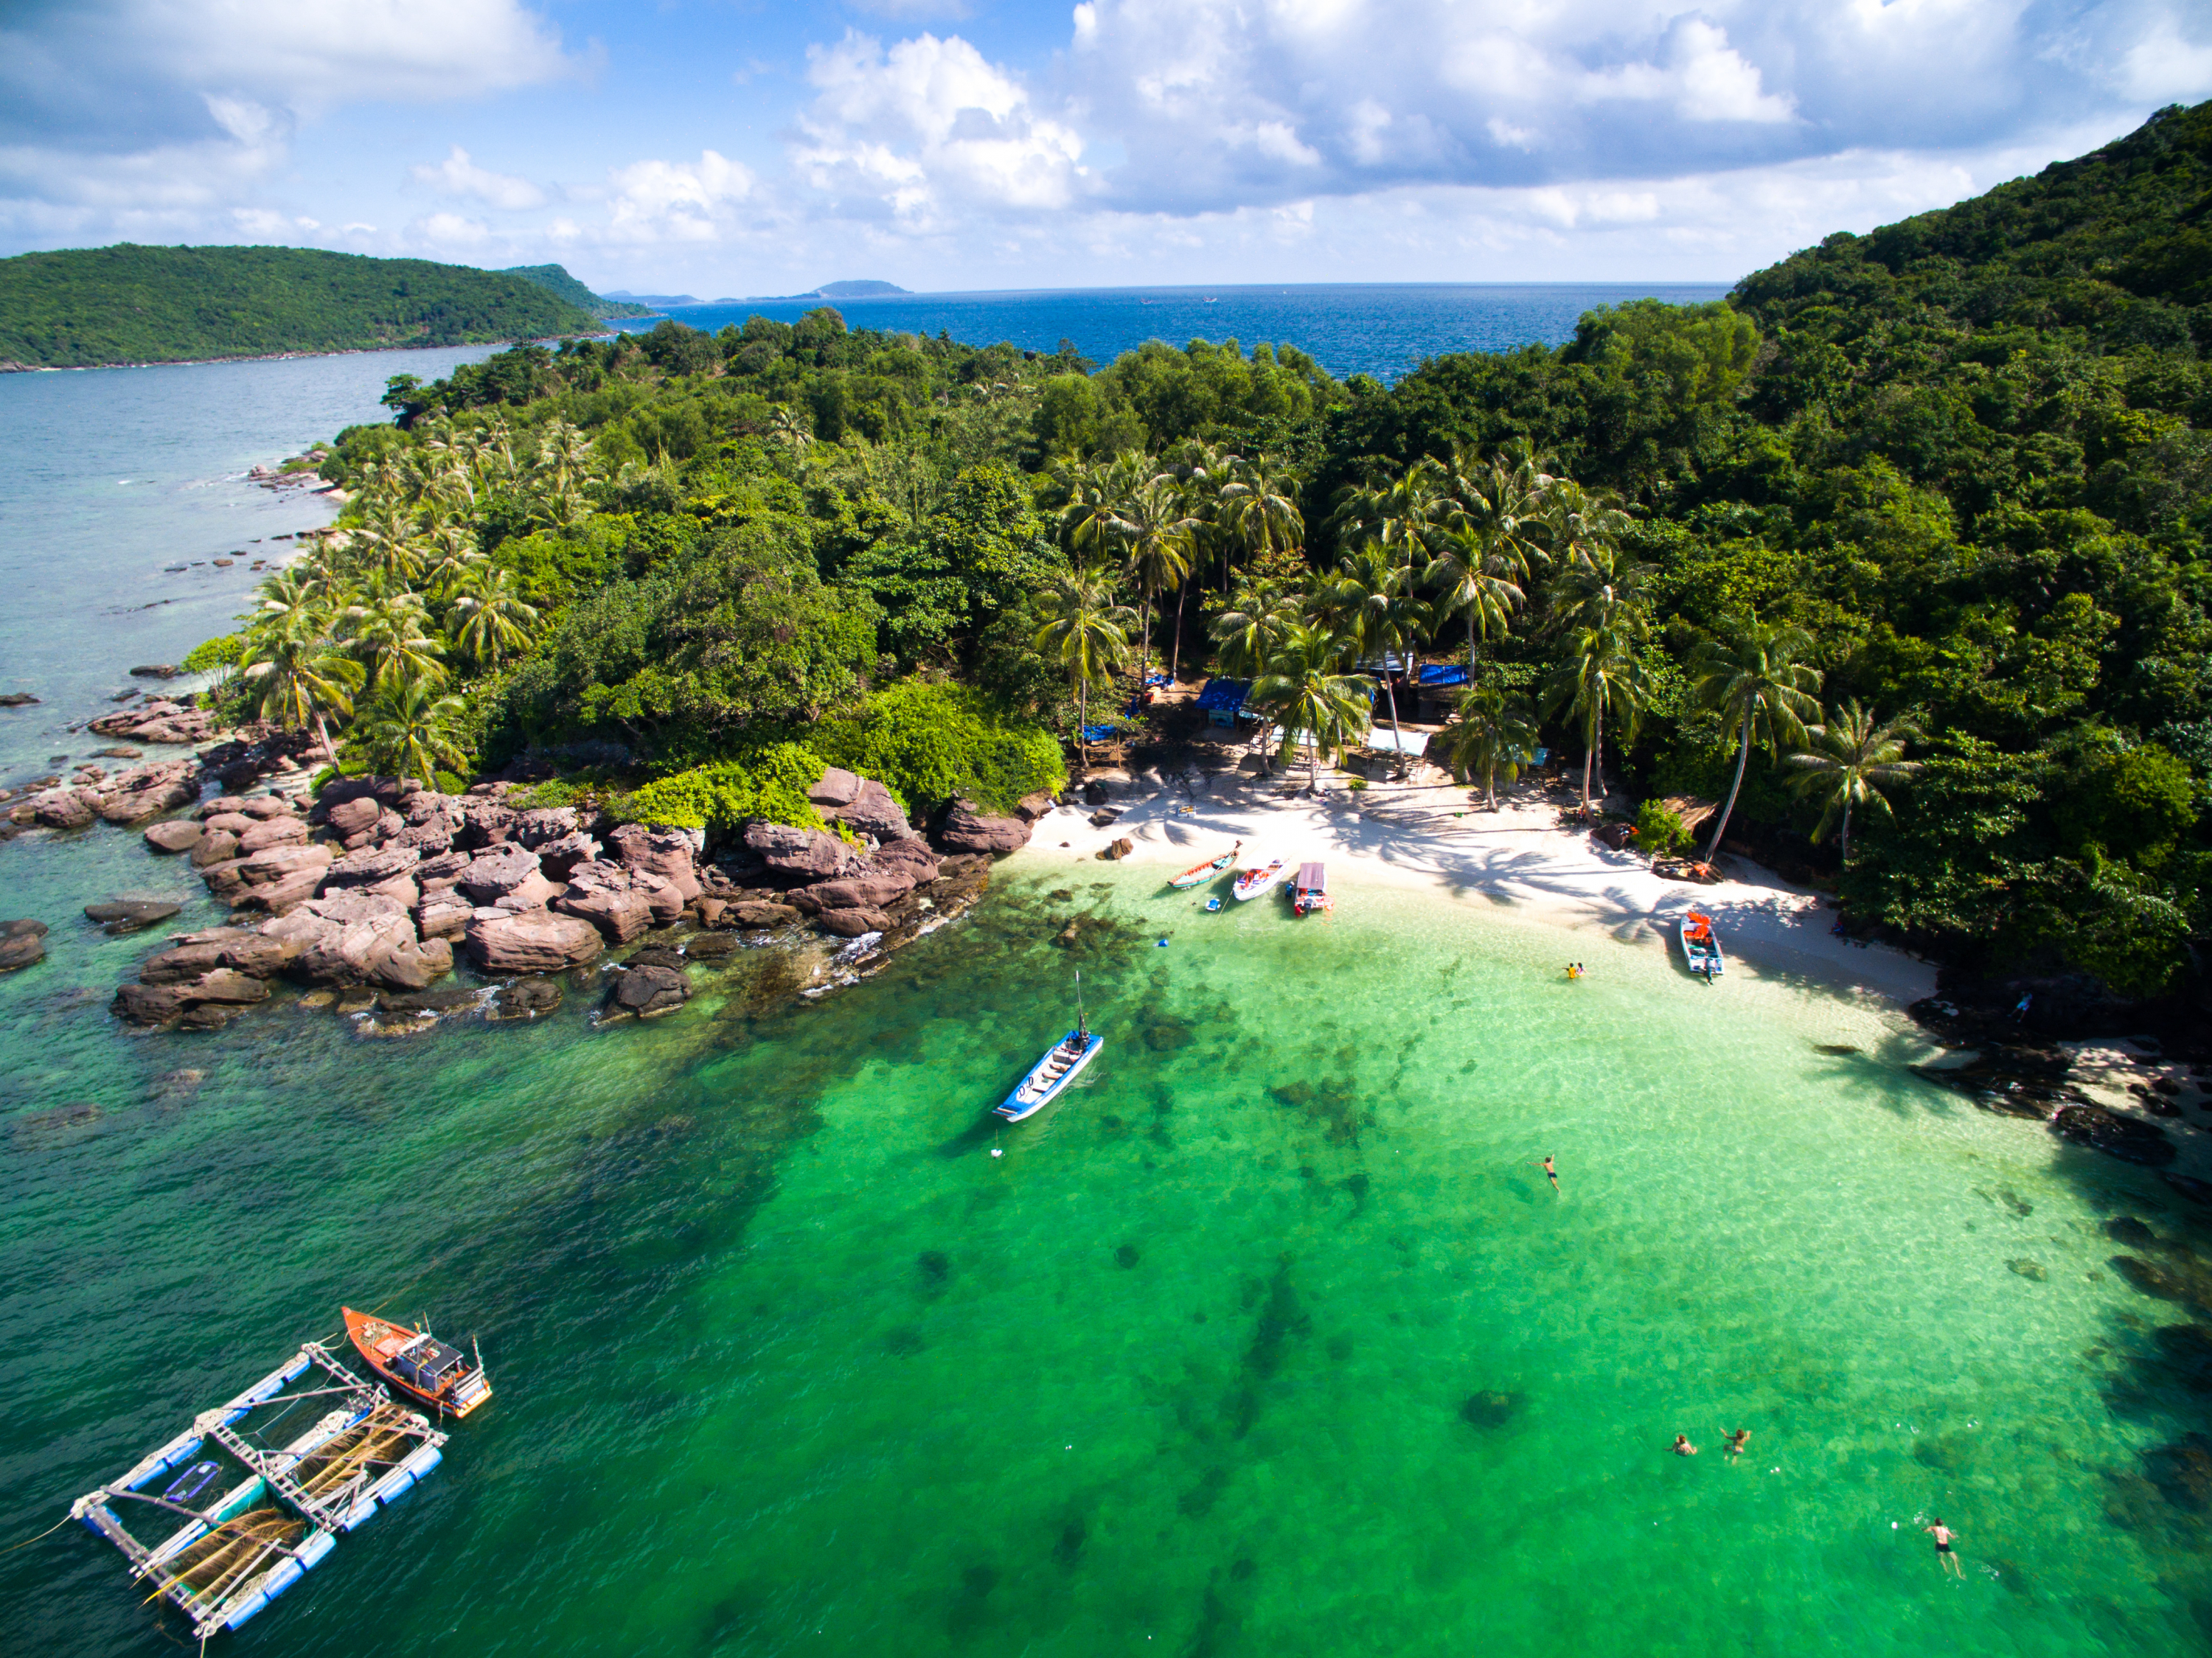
(1551, 1170)
(1944, 1537)
(1682, 1447)
(1734, 1442)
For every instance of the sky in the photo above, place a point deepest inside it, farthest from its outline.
(740, 147)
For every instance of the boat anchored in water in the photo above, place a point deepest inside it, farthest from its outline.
(418, 1364)
(1063, 1062)
(1260, 878)
(1310, 892)
(1200, 874)
(1701, 949)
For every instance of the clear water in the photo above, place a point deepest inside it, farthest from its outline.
(1270, 1338)
(1349, 328)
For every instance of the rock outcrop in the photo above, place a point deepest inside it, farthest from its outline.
(176, 834)
(965, 829)
(650, 991)
(535, 941)
(21, 942)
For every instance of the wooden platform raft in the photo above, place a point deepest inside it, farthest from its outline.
(262, 1486)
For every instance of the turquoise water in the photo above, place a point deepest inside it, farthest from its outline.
(786, 1361)
(1270, 1338)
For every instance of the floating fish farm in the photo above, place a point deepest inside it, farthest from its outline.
(255, 1493)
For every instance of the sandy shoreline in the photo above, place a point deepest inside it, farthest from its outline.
(1432, 834)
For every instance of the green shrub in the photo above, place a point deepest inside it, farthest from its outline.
(928, 740)
(449, 784)
(322, 777)
(770, 782)
(1659, 832)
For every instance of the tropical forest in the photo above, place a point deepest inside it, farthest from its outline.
(1898, 556)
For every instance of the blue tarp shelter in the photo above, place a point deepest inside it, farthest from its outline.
(1222, 700)
(1437, 675)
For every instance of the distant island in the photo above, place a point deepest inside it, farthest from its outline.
(848, 290)
(657, 301)
(555, 279)
(85, 307)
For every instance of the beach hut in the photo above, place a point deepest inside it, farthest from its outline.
(1222, 700)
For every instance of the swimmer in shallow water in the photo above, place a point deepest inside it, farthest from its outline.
(1551, 1170)
(1944, 1537)
(1736, 1442)
(1682, 1446)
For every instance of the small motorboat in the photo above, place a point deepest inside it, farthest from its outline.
(1700, 949)
(1310, 892)
(1052, 1074)
(1200, 874)
(418, 1364)
(1251, 883)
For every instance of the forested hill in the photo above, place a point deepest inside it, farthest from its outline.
(1916, 524)
(85, 307)
(555, 279)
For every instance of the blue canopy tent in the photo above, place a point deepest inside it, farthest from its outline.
(1436, 675)
(1222, 700)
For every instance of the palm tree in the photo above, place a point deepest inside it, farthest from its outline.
(490, 620)
(1599, 585)
(1852, 760)
(1762, 687)
(1599, 674)
(1306, 690)
(297, 677)
(1495, 528)
(1495, 733)
(409, 731)
(388, 632)
(1401, 516)
(1156, 538)
(1372, 599)
(389, 542)
(1251, 630)
(1088, 632)
(1259, 509)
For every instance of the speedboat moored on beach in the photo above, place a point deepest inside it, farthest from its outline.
(1251, 883)
(1700, 949)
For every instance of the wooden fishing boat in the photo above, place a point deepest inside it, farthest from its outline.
(1701, 949)
(1310, 893)
(418, 1364)
(1049, 1076)
(1251, 883)
(1200, 874)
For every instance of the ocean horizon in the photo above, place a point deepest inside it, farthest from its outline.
(1382, 329)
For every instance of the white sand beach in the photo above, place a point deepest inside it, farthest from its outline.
(1430, 832)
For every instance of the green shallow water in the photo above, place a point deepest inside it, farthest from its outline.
(1269, 1337)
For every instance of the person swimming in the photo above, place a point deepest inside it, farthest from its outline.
(1944, 1537)
(1734, 1442)
(1682, 1446)
(1551, 1170)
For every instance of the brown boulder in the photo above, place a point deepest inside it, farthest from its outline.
(791, 851)
(215, 846)
(221, 803)
(145, 790)
(441, 918)
(757, 914)
(539, 826)
(535, 893)
(429, 839)
(650, 992)
(1034, 806)
(63, 808)
(535, 941)
(620, 915)
(663, 898)
(495, 874)
(146, 1005)
(710, 911)
(225, 986)
(21, 942)
(368, 866)
(353, 816)
(911, 856)
(280, 831)
(486, 823)
(231, 822)
(668, 853)
(264, 807)
(966, 830)
(874, 811)
(1117, 850)
(872, 890)
(259, 955)
(837, 787)
(557, 857)
(176, 834)
(853, 923)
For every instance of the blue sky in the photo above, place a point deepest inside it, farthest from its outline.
(728, 147)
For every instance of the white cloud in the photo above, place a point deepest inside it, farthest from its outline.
(931, 128)
(676, 201)
(457, 175)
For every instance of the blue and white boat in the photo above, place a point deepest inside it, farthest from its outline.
(1062, 1063)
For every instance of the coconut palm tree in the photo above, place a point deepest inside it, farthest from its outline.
(1251, 630)
(490, 620)
(1598, 587)
(1306, 690)
(389, 541)
(410, 731)
(388, 632)
(1495, 733)
(1157, 538)
(1852, 760)
(1373, 599)
(1493, 531)
(1258, 507)
(296, 677)
(1762, 687)
(1088, 633)
(1400, 515)
(1599, 674)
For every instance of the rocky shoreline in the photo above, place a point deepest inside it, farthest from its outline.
(374, 893)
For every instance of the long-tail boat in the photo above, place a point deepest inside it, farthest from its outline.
(1199, 874)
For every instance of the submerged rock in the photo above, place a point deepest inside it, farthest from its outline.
(525, 998)
(2116, 1136)
(1491, 1409)
(650, 992)
(123, 915)
(21, 942)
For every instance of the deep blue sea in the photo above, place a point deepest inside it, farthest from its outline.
(1349, 328)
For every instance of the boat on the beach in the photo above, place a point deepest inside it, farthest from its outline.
(1199, 874)
(1310, 893)
(418, 1364)
(1701, 949)
(1251, 883)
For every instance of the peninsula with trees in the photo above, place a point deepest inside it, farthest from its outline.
(1898, 556)
(87, 308)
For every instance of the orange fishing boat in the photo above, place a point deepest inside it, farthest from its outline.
(418, 1364)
